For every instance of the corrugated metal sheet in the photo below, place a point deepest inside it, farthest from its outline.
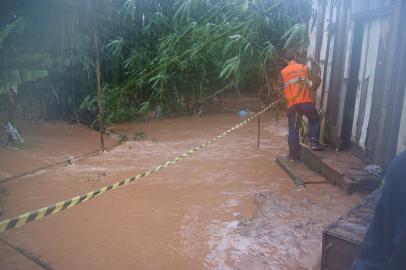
(314, 21)
(402, 131)
(358, 113)
(329, 58)
(346, 76)
(324, 58)
(311, 50)
(364, 5)
(375, 31)
(366, 82)
(361, 81)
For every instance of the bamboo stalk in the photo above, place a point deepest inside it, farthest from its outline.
(99, 92)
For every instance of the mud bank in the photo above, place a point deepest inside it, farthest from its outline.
(229, 206)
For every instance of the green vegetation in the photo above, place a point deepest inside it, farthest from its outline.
(138, 135)
(158, 58)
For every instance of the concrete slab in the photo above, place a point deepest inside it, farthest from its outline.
(300, 174)
(288, 166)
(342, 169)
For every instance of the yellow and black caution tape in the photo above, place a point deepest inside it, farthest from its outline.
(38, 214)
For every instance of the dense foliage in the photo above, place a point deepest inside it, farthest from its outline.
(161, 56)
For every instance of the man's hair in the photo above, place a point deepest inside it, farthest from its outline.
(289, 55)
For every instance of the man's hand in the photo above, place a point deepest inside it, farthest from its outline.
(315, 83)
(281, 84)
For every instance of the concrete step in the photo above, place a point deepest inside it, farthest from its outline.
(341, 168)
(342, 239)
(299, 173)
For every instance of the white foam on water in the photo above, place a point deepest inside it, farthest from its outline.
(228, 246)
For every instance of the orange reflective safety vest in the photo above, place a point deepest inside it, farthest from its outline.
(296, 84)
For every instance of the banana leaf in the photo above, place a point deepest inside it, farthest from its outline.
(18, 25)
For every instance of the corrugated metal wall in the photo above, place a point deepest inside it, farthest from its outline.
(402, 130)
(366, 79)
(376, 88)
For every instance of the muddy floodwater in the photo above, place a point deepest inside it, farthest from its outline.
(228, 206)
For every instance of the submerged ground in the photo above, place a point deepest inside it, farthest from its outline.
(228, 206)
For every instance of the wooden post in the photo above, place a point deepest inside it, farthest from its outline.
(259, 130)
(99, 92)
(259, 118)
(12, 93)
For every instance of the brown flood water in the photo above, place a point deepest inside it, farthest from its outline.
(46, 143)
(228, 206)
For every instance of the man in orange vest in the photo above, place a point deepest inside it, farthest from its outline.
(297, 88)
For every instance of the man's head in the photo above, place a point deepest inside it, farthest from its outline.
(289, 55)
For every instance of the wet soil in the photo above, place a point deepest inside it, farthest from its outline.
(228, 206)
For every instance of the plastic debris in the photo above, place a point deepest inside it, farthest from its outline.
(13, 134)
(244, 113)
(374, 170)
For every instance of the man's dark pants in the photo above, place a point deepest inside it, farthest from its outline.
(309, 110)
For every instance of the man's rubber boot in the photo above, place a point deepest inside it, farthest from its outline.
(316, 146)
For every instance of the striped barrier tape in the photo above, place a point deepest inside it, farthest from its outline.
(38, 214)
